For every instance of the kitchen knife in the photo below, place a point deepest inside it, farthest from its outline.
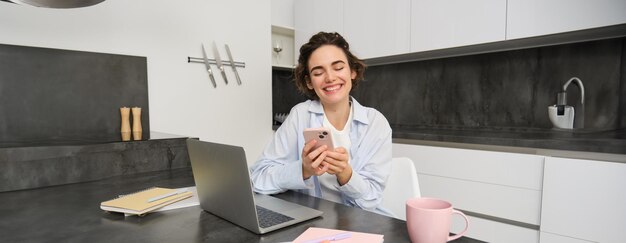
(232, 64)
(218, 60)
(208, 67)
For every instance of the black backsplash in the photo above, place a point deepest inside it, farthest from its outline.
(501, 89)
(284, 92)
(50, 96)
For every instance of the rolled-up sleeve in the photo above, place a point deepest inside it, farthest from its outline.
(279, 167)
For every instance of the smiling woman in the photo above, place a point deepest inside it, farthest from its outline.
(355, 171)
(56, 3)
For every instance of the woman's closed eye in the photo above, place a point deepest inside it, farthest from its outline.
(317, 73)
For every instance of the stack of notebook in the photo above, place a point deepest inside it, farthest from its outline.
(145, 201)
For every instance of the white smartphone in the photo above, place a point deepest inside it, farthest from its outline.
(321, 134)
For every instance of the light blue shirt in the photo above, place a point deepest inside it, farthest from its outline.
(279, 167)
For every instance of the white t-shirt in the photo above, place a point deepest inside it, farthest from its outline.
(329, 182)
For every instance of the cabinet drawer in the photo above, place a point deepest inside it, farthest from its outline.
(491, 231)
(500, 168)
(512, 203)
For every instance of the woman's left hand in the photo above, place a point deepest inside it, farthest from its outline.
(338, 165)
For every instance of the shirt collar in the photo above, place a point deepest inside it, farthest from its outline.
(360, 114)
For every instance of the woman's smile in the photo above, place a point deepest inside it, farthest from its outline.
(333, 88)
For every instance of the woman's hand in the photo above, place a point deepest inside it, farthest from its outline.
(312, 160)
(337, 164)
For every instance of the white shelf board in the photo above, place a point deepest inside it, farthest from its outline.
(283, 30)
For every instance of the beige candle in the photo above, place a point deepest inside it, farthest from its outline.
(136, 123)
(125, 130)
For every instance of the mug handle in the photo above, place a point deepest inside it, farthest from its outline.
(454, 211)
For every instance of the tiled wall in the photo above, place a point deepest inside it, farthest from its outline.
(503, 89)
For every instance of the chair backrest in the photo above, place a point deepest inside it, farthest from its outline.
(401, 185)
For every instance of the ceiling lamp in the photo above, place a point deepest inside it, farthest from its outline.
(56, 3)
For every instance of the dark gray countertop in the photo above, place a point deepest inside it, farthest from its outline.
(578, 144)
(85, 139)
(71, 213)
(583, 141)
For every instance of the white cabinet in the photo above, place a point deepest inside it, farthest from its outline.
(383, 28)
(554, 238)
(373, 28)
(584, 200)
(496, 184)
(377, 28)
(526, 18)
(437, 24)
(311, 17)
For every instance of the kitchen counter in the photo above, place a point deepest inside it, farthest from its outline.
(54, 162)
(598, 145)
(601, 145)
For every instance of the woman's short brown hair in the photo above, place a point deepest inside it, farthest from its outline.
(301, 73)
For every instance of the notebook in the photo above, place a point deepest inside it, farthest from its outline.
(185, 203)
(145, 201)
(224, 188)
(316, 235)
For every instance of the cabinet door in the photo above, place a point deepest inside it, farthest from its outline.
(584, 199)
(311, 17)
(377, 28)
(493, 184)
(437, 24)
(553, 238)
(526, 18)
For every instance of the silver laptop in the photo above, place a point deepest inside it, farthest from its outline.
(225, 190)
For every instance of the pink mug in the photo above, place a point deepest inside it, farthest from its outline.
(428, 220)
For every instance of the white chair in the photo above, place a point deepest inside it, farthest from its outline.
(401, 185)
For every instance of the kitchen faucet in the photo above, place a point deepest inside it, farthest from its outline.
(562, 100)
(580, 84)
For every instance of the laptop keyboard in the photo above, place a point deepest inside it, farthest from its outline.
(269, 218)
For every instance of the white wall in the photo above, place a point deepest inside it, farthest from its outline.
(182, 101)
(282, 13)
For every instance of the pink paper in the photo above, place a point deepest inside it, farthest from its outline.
(313, 233)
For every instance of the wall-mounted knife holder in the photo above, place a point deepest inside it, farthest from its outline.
(219, 63)
(213, 62)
